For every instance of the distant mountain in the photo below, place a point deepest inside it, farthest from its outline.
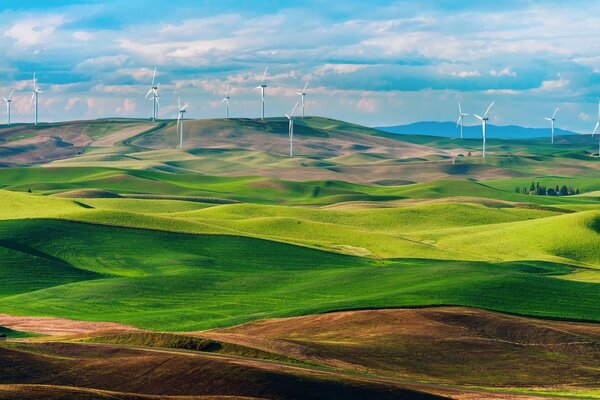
(449, 129)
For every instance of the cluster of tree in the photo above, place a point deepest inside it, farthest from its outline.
(541, 190)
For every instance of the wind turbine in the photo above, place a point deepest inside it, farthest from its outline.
(303, 94)
(484, 121)
(262, 87)
(552, 120)
(180, 121)
(34, 96)
(226, 101)
(596, 128)
(598, 121)
(291, 129)
(8, 100)
(154, 99)
(461, 117)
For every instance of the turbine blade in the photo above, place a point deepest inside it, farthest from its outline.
(596, 128)
(227, 91)
(459, 109)
(555, 111)
(31, 101)
(458, 122)
(11, 94)
(153, 76)
(478, 117)
(149, 93)
(184, 107)
(488, 109)
(294, 109)
(305, 86)
(288, 117)
(178, 103)
(264, 76)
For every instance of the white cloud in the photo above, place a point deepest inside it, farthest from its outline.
(127, 107)
(507, 71)
(338, 68)
(368, 105)
(34, 30)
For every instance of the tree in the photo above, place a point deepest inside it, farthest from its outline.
(564, 191)
(577, 191)
(517, 190)
(532, 188)
(550, 192)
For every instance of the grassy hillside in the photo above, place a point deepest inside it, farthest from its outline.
(169, 281)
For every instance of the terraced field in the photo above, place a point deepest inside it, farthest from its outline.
(119, 234)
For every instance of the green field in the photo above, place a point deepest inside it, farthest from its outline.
(163, 239)
(230, 230)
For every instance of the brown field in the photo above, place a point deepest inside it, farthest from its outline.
(454, 352)
(163, 373)
(59, 326)
(449, 345)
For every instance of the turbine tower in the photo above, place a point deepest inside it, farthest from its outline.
(8, 100)
(262, 87)
(226, 101)
(154, 99)
(303, 94)
(180, 121)
(598, 121)
(461, 117)
(34, 97)
(552, 120)
(291, 129)
(484, 121)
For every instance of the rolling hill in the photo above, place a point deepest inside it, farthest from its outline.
(110, 235)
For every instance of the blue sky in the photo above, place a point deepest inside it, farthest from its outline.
(375, 63)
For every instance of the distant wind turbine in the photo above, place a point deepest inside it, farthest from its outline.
(291, 129)
(262, 87)
(154, 99)
(8, 100)
(461, 117)
(180, 121)
(484, 121)
(226, 101)
(598, 121)
(552, 121)
(303, 94)
(34, 97)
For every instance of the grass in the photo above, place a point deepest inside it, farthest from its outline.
(12, 334)
(167, 281)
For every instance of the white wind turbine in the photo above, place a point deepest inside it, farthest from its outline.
(596, 128)
(154, 99)
(598, 121)
(484, 121)
(461, 117)
(226, 101)
(291, 129)
(34, 96)
(552, 120)
(262, 87)
(180, 121)
(303, 94)
(8, 100)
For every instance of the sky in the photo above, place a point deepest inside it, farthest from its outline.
(375, 63)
